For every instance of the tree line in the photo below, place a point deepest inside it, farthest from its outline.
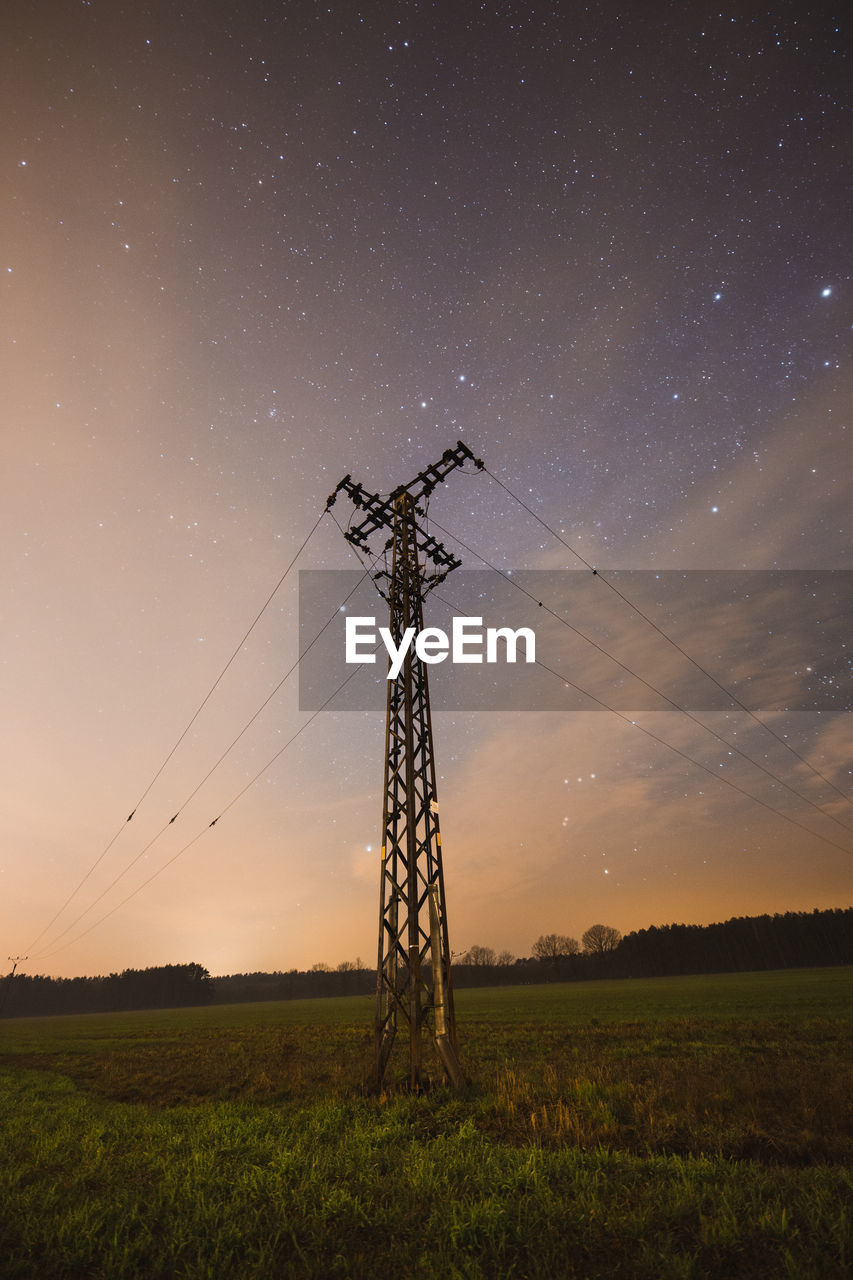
(793, 940)
(168, 986)
(797, 939)
(598, 939)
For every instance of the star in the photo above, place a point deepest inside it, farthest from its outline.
(310, 219)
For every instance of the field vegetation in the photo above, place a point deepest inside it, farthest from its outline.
(673, 1127)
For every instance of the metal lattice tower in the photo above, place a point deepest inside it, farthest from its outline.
(413, 986)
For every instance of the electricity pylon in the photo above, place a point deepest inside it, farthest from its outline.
(413, 986)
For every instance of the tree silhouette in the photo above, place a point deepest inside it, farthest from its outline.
(600, 938)
(551, 946)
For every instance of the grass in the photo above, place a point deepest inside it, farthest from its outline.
(695, 1127)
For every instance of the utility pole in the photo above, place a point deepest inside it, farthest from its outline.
(4, 995)
(413, 987)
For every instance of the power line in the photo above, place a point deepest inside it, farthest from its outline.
(275, 757)
(271, 695)
(211, 771)
(45, 955)
(189, 725)
(635, 675)
(218, 679)
(677, 750)
(598, 574)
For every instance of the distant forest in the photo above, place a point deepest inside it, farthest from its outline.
(794, 940)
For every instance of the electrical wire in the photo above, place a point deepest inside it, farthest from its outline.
(45, 955)
(72, 895)
(635, 675)
(368, 562)
(726, 743)
(600, 575)
(116, 880)
(53, 949)
(367, 570)
(677, 750)
(218, 679)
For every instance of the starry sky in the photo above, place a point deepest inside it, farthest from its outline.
(249, 249)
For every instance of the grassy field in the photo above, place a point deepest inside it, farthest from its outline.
(691, 1127)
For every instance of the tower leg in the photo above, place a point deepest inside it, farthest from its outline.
(443, 1042)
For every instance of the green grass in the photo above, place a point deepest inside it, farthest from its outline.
(694, 1127)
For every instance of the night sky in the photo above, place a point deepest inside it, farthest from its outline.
(247, 252)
